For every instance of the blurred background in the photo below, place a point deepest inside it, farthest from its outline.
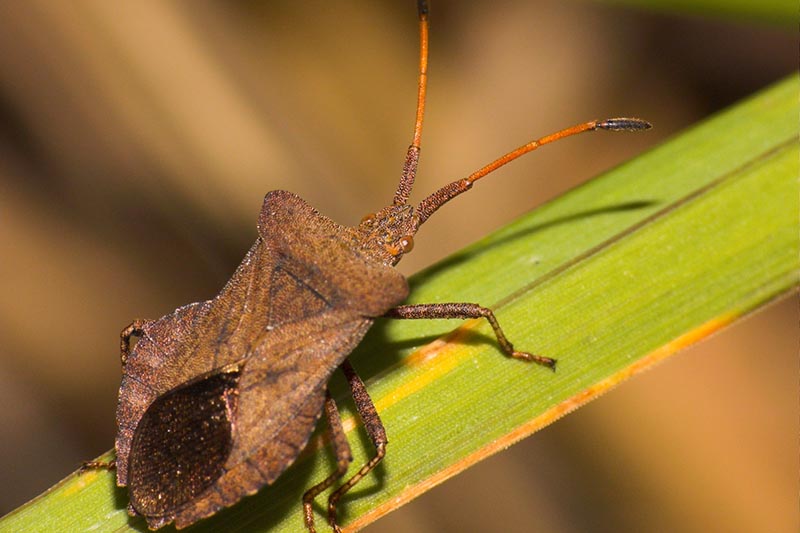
(137, 140)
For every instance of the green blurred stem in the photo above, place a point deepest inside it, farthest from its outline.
(777, 12)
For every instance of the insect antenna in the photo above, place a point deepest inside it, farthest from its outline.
(412, 156)
(436, 200)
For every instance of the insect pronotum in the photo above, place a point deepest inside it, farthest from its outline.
(218, 397)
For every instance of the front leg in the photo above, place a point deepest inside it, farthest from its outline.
(465, 311)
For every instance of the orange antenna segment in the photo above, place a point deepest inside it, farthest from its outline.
(436, 200)
(412, 156)
(423, 73)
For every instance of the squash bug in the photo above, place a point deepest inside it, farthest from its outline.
(219, 397)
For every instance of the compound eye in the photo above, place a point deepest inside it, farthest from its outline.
(407, 244)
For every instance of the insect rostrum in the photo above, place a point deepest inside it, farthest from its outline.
(218, 397)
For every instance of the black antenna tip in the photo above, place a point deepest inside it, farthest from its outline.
(422, 8)
(624, 124)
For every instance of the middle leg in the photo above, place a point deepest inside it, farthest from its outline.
(375, 431)
(343, 458)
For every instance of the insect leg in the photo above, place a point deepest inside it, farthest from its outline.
(343, 458)
(465, 311)
(375, 431)
(97, 465)
(134, 328)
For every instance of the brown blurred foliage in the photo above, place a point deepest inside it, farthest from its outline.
(137, 139)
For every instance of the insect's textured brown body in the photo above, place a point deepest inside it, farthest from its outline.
(262, 351)
(219, 397)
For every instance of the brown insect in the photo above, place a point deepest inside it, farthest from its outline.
(219, 397)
